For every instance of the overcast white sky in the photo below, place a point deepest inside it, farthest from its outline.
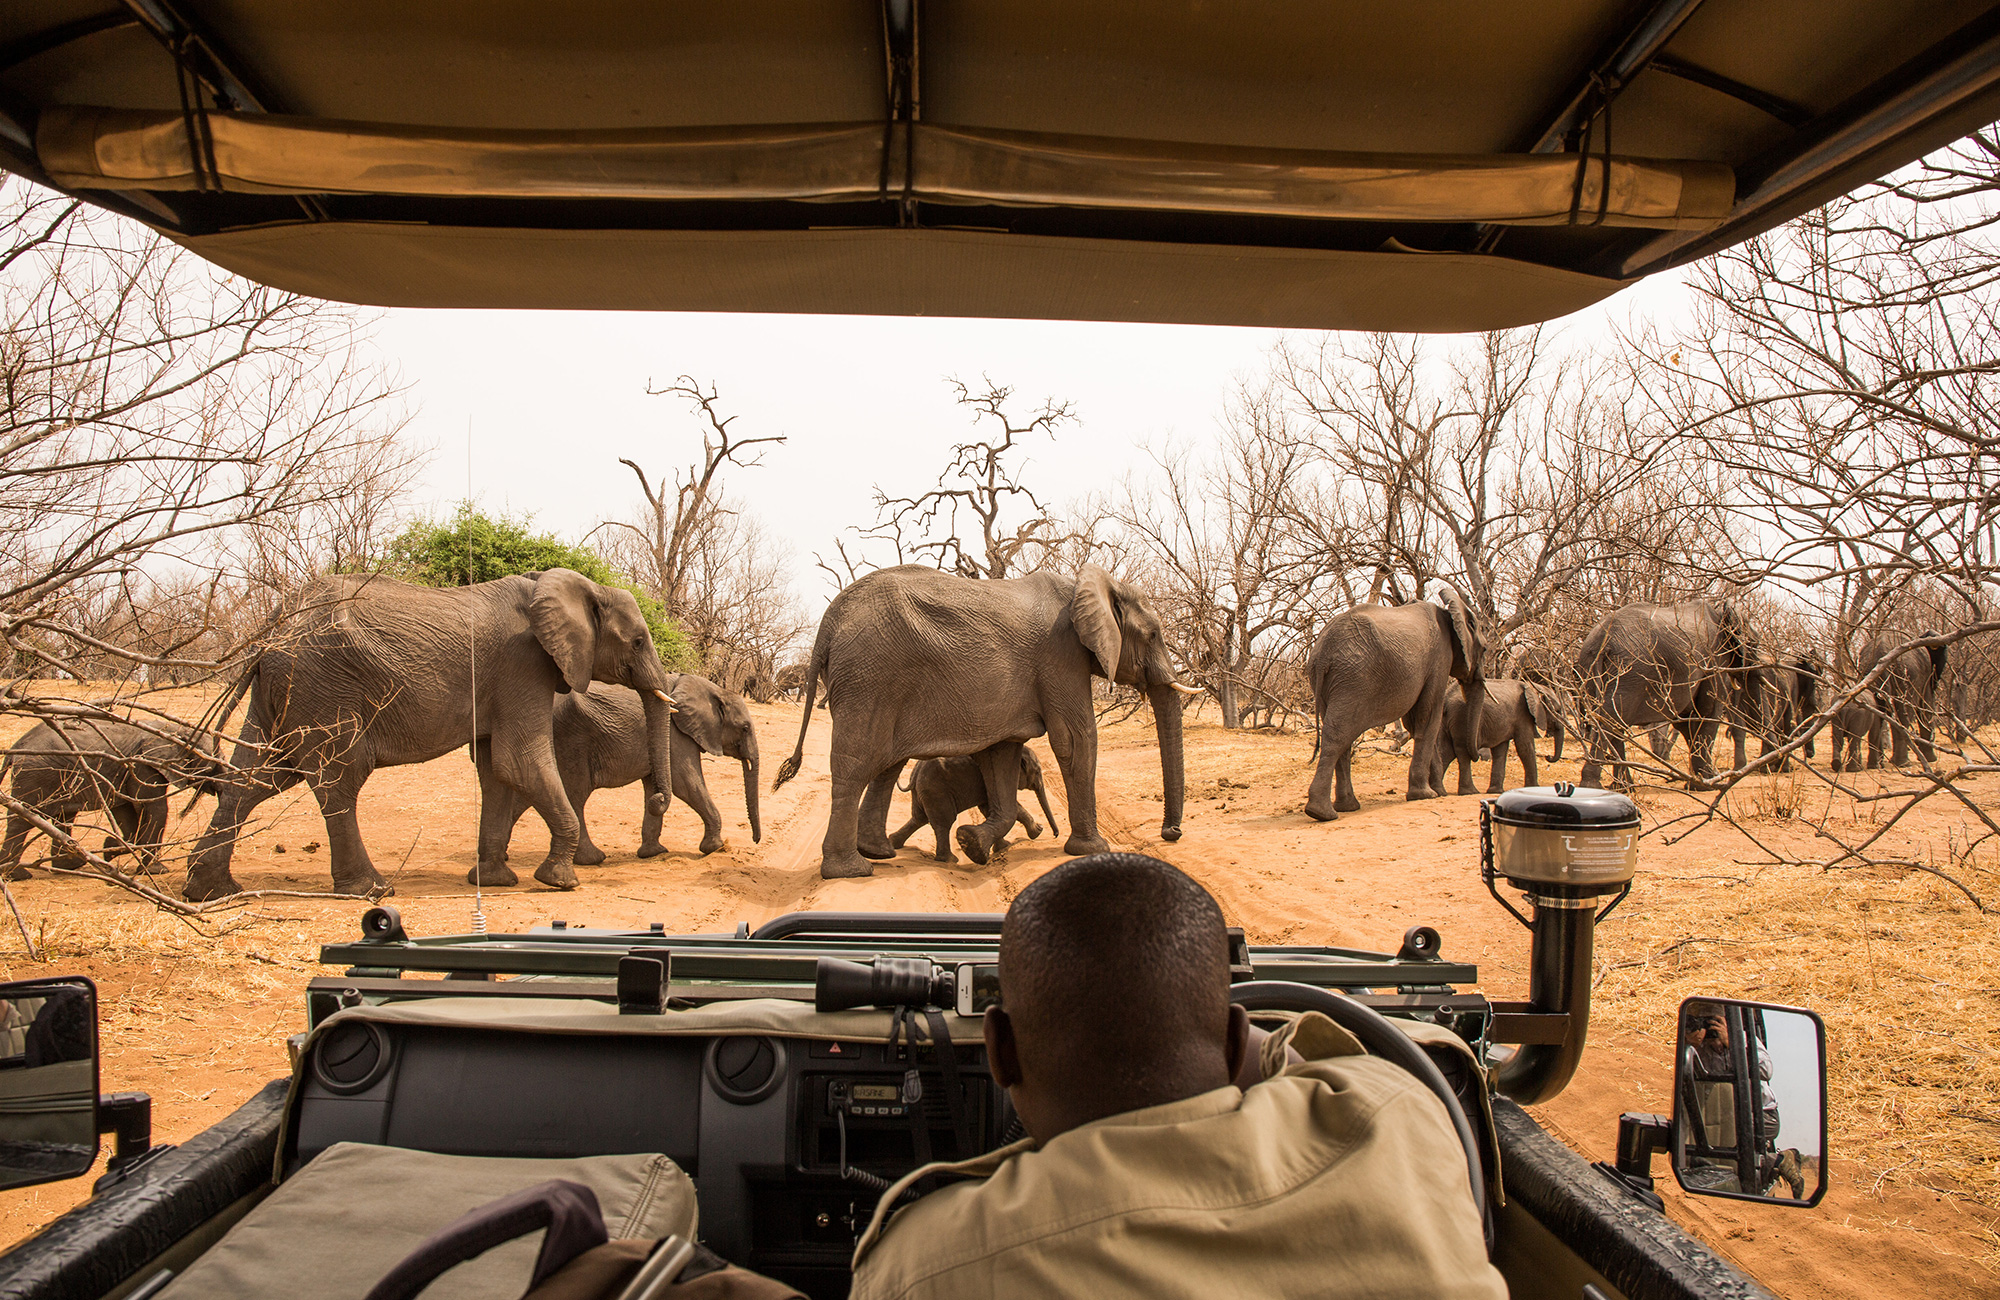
(555, 398)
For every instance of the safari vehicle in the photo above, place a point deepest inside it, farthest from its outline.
(1454, 166)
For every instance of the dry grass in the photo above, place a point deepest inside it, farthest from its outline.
(1904, 970)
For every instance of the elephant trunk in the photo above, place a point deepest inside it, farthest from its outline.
(659, 744)
(1467, 738)
(1166, 703)
(750, 796)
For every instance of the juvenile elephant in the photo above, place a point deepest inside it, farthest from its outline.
(1908, 692)
(64, 769)
(942, 788)
(376, 673)
(1781, 695)
(1553, 673)
(1644, 666)
(601, 744)
(1514, 712)
(1376, 664)
(922, 664)
(1858, 718)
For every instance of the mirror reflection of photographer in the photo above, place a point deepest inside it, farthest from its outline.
(1714, 1072)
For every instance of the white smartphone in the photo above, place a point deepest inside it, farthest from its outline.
(978, 988)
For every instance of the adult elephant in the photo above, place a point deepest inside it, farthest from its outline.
(1909, 691)
(1684, 666)
(375, 673)
(601, 744)
(1377, 664)
(922, 664)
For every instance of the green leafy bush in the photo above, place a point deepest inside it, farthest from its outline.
(475, 547)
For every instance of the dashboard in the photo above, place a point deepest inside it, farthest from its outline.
(789, 1140)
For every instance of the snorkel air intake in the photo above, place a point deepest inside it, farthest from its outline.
(1565, 848)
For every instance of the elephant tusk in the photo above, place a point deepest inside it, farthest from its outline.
(1186, 690)
(667, 700)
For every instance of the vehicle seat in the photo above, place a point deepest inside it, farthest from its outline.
(344, 1220)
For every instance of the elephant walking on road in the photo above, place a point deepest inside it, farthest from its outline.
(601, 744)
(922, 664)
(63, 769)
(1859, 718)
(1684, 666)
(942, 788)
(1908, 693)
(376, 673)
(1514, 712)
(1376, 664)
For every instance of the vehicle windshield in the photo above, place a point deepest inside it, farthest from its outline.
(666, 562)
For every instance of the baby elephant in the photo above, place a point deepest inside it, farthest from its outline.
(128, 771)
(1514, 712)
(600, 742)
(1859, 717)
(942, 788)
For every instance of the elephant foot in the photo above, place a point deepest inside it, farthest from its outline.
(208, 888)
(945, 855)
(1034, 829)
(713, 844)
(880, 852)
(496, 875)
(1322, 812)
(1425, 793)
(1078, 846)
(556, 875)
(1465, 789)
(968, 839)
(652, 849)
(15, 873)
(590, 857)
(851, 867)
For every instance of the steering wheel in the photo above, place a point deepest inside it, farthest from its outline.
(1381, 1039)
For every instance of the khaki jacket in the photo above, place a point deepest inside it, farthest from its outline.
(1339, 1177)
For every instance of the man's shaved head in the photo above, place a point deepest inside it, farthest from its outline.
(1114, 977)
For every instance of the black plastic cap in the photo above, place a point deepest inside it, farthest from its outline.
(1565, 806)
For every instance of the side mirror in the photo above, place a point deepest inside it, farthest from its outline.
(1749, 1102)
(48, 1081)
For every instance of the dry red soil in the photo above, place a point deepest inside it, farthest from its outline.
(200, 1022)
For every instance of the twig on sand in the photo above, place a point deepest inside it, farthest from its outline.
(13, 907)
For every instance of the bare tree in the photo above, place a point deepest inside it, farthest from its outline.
(966, 524)
(720, 576)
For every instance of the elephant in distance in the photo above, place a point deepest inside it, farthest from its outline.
(1514, 712)
(65, 768)
(1684, 666)
(1908, 692)
(942, 788)
(376, 673)
(1376, 664)
(922, 664)
(601, 744)
(1781, 694)
(1554, 675)
(1860, 718)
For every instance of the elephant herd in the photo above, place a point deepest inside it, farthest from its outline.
(554, 684)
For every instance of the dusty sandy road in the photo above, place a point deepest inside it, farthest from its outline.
(201, 1022)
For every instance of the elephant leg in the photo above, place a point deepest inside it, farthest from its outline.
(1074, 742)
(1926, 741)
(524, 757)
(10, 851)
(1000, 765)
(148, 833)
(500, 807)
(872, 823)
(124, 837)
(692, 787)
(587, 852)
(1029, 824)
(901, 835)
(1332, 790)
(1496, 780)
(1425, 723)
(209, 876)
(942, 815)
(838, 858)
(1524, 749)
(1899, 736)
(353, 872)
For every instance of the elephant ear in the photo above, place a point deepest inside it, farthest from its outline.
(697, 712)
(1739, 647)
(1538, 707)
(1467, 652)
(1093, 610)
(563, 614)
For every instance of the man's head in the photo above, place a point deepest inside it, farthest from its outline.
(1114, 986)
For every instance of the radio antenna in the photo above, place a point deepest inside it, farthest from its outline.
(472, 665)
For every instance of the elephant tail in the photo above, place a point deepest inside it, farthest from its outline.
(790, 767)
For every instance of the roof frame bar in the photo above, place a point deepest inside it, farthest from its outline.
(1614, 71)
(1794, 115)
